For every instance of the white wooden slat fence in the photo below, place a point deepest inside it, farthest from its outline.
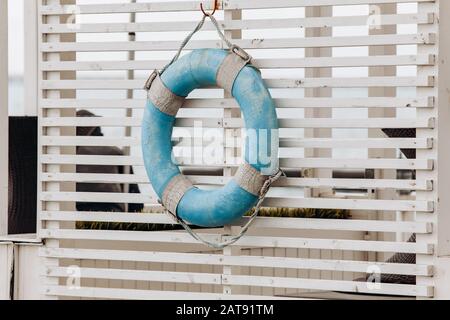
(400, 77)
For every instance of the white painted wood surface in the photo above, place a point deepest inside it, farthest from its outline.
(4, 134)
(248, 261)
(310, 22)
(27, 266)
(6, 269)
(50, 94)
(280, 256)
(419, 102)
(250, 44)
(440, 152)
(193, 5)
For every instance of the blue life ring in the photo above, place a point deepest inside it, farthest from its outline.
(209, 208)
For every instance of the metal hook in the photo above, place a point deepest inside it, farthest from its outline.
(216, 6)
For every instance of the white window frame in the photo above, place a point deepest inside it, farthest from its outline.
(3, 118)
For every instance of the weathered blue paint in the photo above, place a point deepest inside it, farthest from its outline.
(196, 70)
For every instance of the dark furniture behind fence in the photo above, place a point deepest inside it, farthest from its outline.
(22, 178)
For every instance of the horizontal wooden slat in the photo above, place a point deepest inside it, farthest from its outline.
(103, 197)
(328, 285)
(372, 102)
(256, 4)
(383, 143)
(262, 64)
(318, 203)
(194, 5)
(259, 281)
(127, 294)
(245, 261)
(299, 163)
(220, 180)
(170, 26)
(367, 123)
(347, 183)
(336, 244)
(283, 43)
(283, 223)
(138, 275)
(247, 241)
(271, 83)
(422, 164)
(234, 123)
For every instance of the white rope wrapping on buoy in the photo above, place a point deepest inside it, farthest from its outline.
(165, 100)
(250, 179)
(230, 69)
(175, 191)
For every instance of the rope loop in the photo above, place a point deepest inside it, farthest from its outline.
(233, 48)
(216, 6)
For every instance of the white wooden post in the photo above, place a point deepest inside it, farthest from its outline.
(130, 95)
(443, 146)
(381, 113)
(31, 58)
(55, 131)
(230, 154)
(68, 186)
(51, 186)
(27, 272)
(3, 118)
(323, 11)
(6, 267)
(440, 152)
